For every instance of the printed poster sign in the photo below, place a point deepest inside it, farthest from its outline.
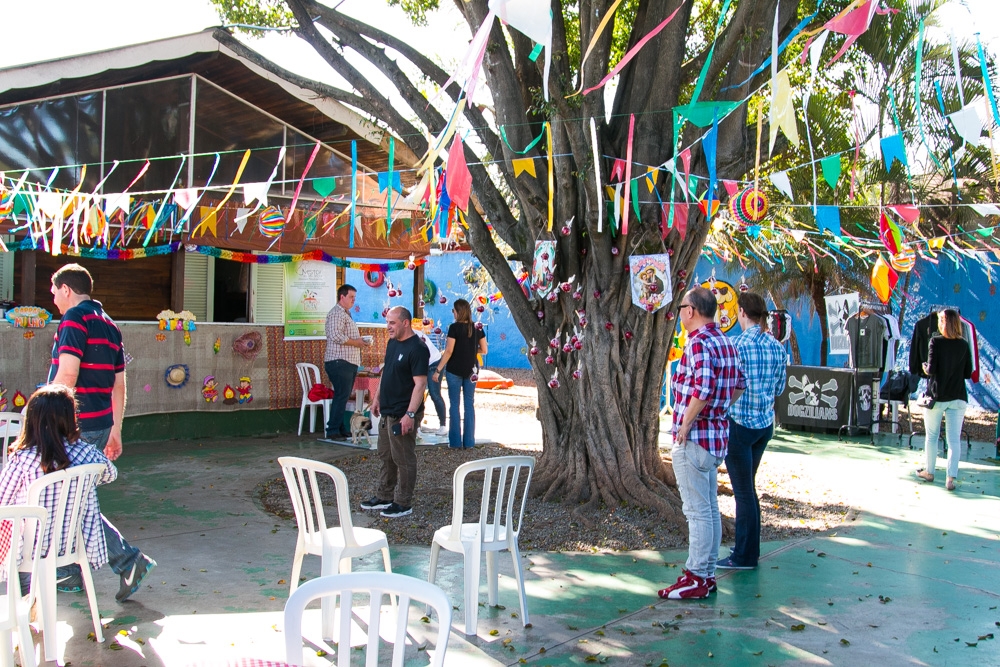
(310, 293)
(839, 309)
(543, 268)
(651, 289)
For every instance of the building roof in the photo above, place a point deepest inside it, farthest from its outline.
(220, 58)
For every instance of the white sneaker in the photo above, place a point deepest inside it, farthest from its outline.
(427, 428)
(442, 431)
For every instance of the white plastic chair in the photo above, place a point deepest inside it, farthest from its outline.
(10, 428)
(308, 376)
(335, 545)
(376, 584)
(18, 609)
(495, 531)
(71, 488)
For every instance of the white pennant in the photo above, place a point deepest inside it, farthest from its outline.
(780, 181)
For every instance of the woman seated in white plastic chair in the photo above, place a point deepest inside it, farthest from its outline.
(50, 441)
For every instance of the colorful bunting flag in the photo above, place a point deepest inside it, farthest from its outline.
(524, 165)
(893, 149)
(884, 279)
(459, 178)
(780, 180)
(828, 219)
(888, 231)
(831, 170)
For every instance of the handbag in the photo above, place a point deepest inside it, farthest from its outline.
(926, 401)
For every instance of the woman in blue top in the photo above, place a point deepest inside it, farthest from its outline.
(465, 341)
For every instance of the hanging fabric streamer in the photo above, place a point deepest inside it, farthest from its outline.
(194, 204)
(552, 177)
(163, 204)
(354, 189)
(534, 142)
(256, 193)
(459, 179)
(628, 171)
(593, 42)
(302, 180)
(597, 173)
(703, 75)
(638, 47)
(951, 154)
(710, 145)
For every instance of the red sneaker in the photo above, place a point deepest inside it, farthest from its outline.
(689, 586)
(710, 581)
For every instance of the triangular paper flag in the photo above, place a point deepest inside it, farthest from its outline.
(618, 170)
(651, 175)
(936, 243)
(780, 180)
(242, 215)
(459, 178)
(187, 197)
(324, 186)
(797, 234)
(534, 19)
(831, 170)
(908, 213)
(884, 279)
(118, 201)
(968, 124)
(522, 165)
(383, 181)
(732, 187)
(252, 192)
(888, 231)
(209, 221)
(828, 218)
(981, 209)
(681, 219)
(686, 161)
(893, 149)
(783, 110)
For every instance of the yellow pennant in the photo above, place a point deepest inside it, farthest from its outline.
(936, 243)
(524, 164)
(209, 222)
(651, 175)
(213, 219)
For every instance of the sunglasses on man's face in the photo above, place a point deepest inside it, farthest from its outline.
(683, 306)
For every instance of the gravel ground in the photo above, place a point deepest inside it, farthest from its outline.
(794, 499)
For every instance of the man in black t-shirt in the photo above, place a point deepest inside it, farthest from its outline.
(400, 403)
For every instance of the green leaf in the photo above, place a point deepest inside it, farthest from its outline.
(798, 628)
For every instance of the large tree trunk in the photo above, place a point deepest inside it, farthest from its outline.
(600, 432)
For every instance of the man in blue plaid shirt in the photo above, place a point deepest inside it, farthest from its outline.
(751, 425)
(706, 382)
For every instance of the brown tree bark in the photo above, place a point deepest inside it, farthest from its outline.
(600, 433)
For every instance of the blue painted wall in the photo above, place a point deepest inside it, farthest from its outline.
(965, 286)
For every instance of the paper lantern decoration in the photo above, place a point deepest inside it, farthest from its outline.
(749, 206)
(272, 222)
(904, 260)
(709, 208)
(6, 202)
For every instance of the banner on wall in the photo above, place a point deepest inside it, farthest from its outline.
(310, 293)
(839, 308)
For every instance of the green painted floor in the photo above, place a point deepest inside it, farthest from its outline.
(912, 578)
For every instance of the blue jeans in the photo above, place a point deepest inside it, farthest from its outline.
(434, 389)
(697, 471)
(746, 448)
(462, 433)
(341, 374)
(121, 554)
(954, 414)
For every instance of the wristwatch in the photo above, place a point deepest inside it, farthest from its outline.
(411, 415)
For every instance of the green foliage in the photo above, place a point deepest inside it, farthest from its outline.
(416, 9)
(254, 13)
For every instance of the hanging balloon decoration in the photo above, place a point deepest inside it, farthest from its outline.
(272, 222)
(903, 260)
(748, 206)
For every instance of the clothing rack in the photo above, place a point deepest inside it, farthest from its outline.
(878, 308)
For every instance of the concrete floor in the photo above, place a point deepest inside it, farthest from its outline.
(913, 579)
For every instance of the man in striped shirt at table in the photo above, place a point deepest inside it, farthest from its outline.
(88, 356)
(751, 425)
(705, 383)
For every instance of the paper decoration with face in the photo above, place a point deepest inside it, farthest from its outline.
(651, 288)
(543, 268)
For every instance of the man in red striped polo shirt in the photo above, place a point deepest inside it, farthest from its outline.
(87, 354)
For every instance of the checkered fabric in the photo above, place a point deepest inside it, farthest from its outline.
(24, 467)
(762, 360)
(708, 370)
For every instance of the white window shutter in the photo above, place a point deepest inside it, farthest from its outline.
(199, 286)
(7, 271)
(267, 301)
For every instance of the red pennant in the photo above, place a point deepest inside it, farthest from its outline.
(681, 219)
(618, 171)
